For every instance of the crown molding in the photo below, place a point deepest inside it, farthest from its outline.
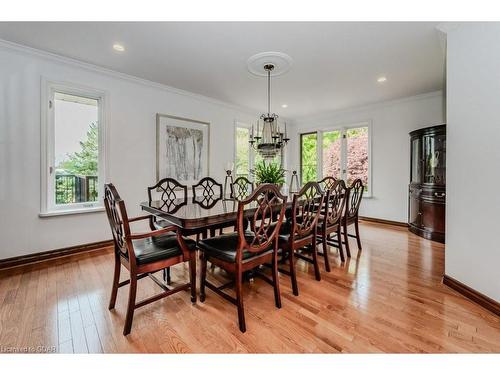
(7, 45)
(11, 46)
(446, 27)
(387, 103)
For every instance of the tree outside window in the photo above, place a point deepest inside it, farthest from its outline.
(343, 160)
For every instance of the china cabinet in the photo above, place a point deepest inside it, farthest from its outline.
(427, 189)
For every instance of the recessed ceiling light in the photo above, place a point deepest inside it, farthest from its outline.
(381, 79)
(118, 47)
(284, 106)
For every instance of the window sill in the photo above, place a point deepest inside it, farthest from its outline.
(75, 211)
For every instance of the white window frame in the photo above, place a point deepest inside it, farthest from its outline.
(343, 158)
(252, 152)
(48, 90)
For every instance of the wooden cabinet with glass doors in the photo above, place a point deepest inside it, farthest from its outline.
(427, 189)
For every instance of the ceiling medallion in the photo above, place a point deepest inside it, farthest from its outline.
(281, 62)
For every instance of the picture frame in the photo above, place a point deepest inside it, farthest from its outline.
(182, 149)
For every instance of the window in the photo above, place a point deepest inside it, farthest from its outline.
(242, 159)
(308, 157)
(332, 154)
(73, 173)
(344, 153)
(245, 156)
(357, 155)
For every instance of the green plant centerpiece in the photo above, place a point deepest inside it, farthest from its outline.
(269, 173)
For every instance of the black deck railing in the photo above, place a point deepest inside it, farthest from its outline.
(75, 189)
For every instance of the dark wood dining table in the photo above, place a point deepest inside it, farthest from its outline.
(190, 214)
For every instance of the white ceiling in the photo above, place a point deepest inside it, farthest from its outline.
(336, 65)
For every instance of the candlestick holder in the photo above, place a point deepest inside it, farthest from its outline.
(228, 181)
(294, 183)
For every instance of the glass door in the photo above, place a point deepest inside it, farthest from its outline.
(434, 161)
(309, 157)
(416, 160)
(357, 155)
(332, 154)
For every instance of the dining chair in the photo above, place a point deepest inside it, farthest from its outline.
(207, 192)
(351, 213)
(167, 187)
(205, 189)
(300, 230)
(167, 192)
(330, 220)
(327, 183)
(241, 188)
(246, 249)
(143, 254)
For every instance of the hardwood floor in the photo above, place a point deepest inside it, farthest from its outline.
(389, 299)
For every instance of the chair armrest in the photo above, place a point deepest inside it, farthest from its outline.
(138, 218)
(170, 228)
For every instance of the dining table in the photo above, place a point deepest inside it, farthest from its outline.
(200, 213)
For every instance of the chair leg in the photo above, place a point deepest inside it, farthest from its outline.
(239, 301)
(192, 276)
(131, 304)
(325, 252)
(203, 276)
(166, 275)
(293, 276)
(315, 259)
(276, 282)
(346, 239)
(341, 250)
(212, 232)
(116, 280)
(358, 238)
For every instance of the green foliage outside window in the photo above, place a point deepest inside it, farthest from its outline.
(241, 166)
(76, 176)
(84, 162)
(309, 157)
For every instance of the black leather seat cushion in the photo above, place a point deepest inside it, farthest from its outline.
(223, 247)
(152, 249)
(285, 231)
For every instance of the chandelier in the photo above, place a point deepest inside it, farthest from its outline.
(270, 138)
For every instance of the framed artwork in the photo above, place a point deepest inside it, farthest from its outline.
(182, 149)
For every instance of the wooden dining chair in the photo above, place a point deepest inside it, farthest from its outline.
(241, 188)
(207, 192)
(300, 230)
(173, 196)
(330, 220)
(167, 189)
(206, 189)
(247, 249)
(144, 254)
(351, 213)
(327, 183)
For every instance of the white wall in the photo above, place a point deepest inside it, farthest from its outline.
(132, 105)
(391, 122)
(473, 157)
